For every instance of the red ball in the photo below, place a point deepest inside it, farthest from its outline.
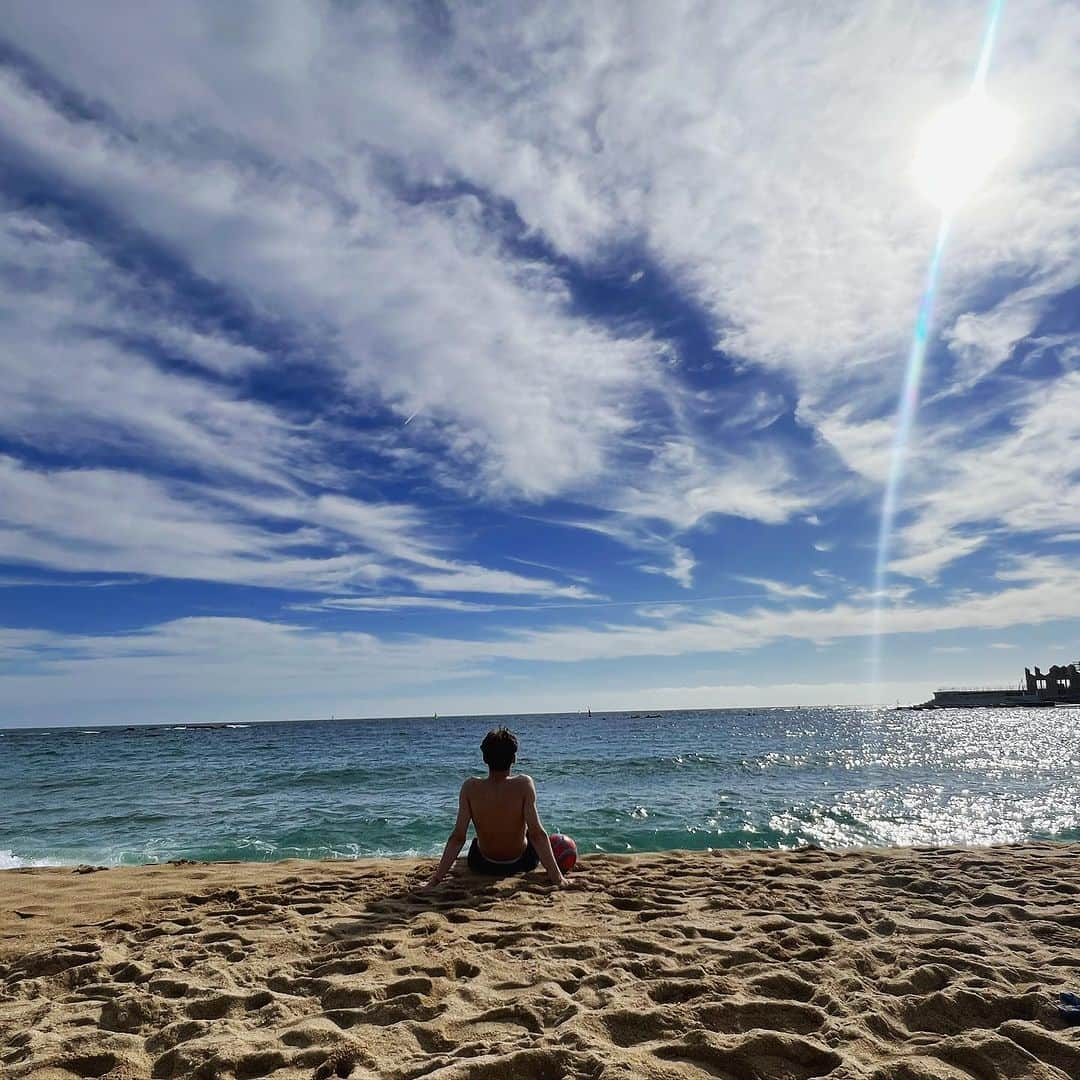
(565, 851)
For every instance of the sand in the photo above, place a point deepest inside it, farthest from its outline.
(893, 965)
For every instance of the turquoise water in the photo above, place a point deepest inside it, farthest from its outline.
(765, 778)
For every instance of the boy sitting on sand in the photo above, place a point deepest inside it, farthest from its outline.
(503, 810)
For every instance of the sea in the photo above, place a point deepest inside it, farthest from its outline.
(616, 782)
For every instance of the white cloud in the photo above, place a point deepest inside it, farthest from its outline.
(680, 569)
(786, 139)
(1021, 480)
(467, 578)
(782, 590)
(984, 341)
(257, 660)
(685, 484)
(22, 644)
(1046, 592)
(399, 603)
(930, 562)
(71, 385)
(422, 303)
(562, 571)
(766, 158)
(107, 520)
(660, 611)
(427, 308)
(111, 520)
(16, 581)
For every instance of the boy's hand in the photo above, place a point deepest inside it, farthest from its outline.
(429, 885)
(559, 883)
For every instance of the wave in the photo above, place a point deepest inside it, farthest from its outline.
(10, 861)
(345, 777)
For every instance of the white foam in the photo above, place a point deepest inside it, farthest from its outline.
(10, 861)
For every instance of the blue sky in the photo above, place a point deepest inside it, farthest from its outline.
(366, 359)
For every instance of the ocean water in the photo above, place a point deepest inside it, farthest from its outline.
(767, 778)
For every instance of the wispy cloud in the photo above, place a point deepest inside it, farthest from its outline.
(680, 569)
(81, 520)
(782, 590)
(261, 658)
(400, 603)
(1016, 481)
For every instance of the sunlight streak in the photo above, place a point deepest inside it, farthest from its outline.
(909, 398)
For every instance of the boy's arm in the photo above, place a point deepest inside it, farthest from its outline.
(538, 836)
(456, 840)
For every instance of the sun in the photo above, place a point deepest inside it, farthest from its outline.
(959, 147)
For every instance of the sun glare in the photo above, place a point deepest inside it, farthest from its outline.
(959, 147)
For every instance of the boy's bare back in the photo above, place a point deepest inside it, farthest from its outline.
(498, 808)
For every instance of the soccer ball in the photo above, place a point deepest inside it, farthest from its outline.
(565, 851)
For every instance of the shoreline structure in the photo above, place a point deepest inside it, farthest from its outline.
(874, 964)
(1040, 689)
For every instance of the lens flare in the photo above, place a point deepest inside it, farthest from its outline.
(905, 417)
(948, 177)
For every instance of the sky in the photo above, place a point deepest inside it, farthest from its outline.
(366, 359)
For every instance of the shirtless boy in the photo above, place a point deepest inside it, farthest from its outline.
(510, 838)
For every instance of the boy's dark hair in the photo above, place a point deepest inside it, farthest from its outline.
(499, 749)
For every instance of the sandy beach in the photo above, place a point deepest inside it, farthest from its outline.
(892, 964)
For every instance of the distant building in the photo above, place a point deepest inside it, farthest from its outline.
(1058, 686)
(1060, 683)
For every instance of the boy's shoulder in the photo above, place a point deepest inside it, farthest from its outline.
(517, 780)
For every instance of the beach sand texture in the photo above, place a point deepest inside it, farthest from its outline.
(894, 964)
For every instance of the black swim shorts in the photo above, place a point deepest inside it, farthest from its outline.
(480, 864)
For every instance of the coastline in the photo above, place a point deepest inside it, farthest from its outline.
(890, 964)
